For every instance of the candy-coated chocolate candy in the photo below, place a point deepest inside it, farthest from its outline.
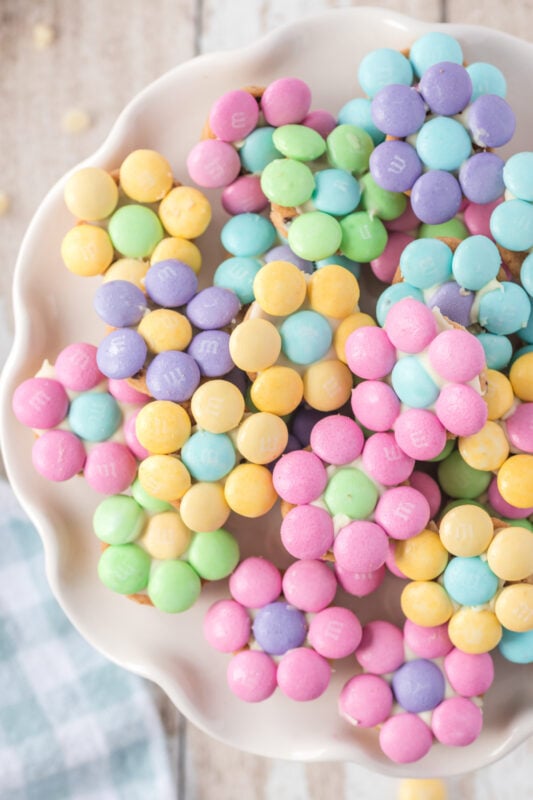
(299, 142)
(470, 581)
(249, 490)
(457, 722)
(361, 546)
(286, 101)
(381, 67)
(364, 237)
(244, 195)
(171, 283)
(174, 586)
(427, 642)
(315, 235)
(514, 607)
(519, 427)
(398, 110)
(474, 630)
(375, 405)
(234, 115)
(365, 700)
(255, 344)
(118, 519)
(214, 307)
(262, 437)
(147, 501)
(165, 536)
(210, 350)
(278, 390)
(413, 383)
(411, 326)
(213, 163)
(405, 738)
(303, 674)
(87, 250)
(258, 149)
(469, 674)
(480, 177)
(255, 582)
(135, 230)
(418, 685)
(76, 367)
(403, 512)
(58, 455)
(162, 427)
(321, 121)
(358, 112)
(499, 394)
(395, 166)
(429, 488)
(119, 303)
(336, 192)
(306, 337)
(238, 273)
(434, 48)
(172, 375)
(381, 649)
(251, 675)
(309, 584)
(446, 88)
(279, 627)
(426, 603)
(443, 350)
(333, 291)
(124, 568)
(164, 477)
(461, 409)
(517, 647)
(490, 121)
(121, 353)
(287, 182)
(381, 202)
(307, 531)
(110, 468)
(436, 196)
(203, 507)
(384, 461)
(335, 632)
(487, 450)
(327, 385)
(466, 531)
(422, 789)
(337, 439)
(248, 235)
(350, 492)
(40, 403)
(391, 295)
(370, 353)
(94, 416)
(145, 176)
(227, 626)
(430, 144)
(458, 479)
(520, 375)
(515, 481)
(175, 247)
(486, 79)
(510, 553)
(419, 433)
(208, 456)
(280, 288)
(421, 557)
(360, 584)
(213, 554)
(91, 194)
(217, 406)
(385, 265)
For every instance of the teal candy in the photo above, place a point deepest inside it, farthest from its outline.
(426, 262)
(208, 456)
(486, 79)
(526, 333)
(511, 224)
(258, 150)
(432, 48)
(517, 647)
(174, 586)
(342, 261)
(528, 348)
(476, 261)
(505, 310)
(470, 581)
(526, 274)
(412, 383)
(518, 175)
(359, 112)
(305, 337)
(336, 192)
(498, 350)
(94, 416)
(299, 142)
(118, 519)
(124, 568)
(248, 235)
(213, 555)
(391, 295)
(238, 273)
(146, 500)
(443, 143)
(287, 182)
(381, 67)
(135, 230)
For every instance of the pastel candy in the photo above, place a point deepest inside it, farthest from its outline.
(303, 674)
(227, 626)
(76, 367)
(58, 455)
(251, 675)
(366, 700)
(40, 403)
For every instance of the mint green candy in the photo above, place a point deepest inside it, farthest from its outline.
(314, 235)
(454, 228)
(299, 142)
(349, 148)
(213, 554)
(381, 202)
(135, 230)
(146, 500)
(352, 493)
(174, 586)
(446, 450)
(518, 523)
(461, 501)
(118, 519)
(287, 182)
(363, 237)
(124, 568)
(458, 479)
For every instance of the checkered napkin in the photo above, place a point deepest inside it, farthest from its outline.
(72, 725)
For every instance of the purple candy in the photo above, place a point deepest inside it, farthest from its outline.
(454, 302)
(395, 166)
(238, 378)
(491, 121)
(292, 444)
(213, 307)
(398, 110)
(210, 350)
(303, 422)
(418, 685)
(279, 627)
(119, 303)
(481, 178)
(436, 197)
(284, 253)
(172, 375)
(446, 87)
(121, 353)
(171, 283)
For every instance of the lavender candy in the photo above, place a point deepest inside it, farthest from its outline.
(418, 685)
(121, 353)
(491, 121)
(171, 283)
(398, 110)
(481, 178)
(119, 303)
(213, 307)
(446, 87)
(279, 627)
(173, 375)
(395, 166)
(284, 253)
(436, 197)
(303, 422)
(210, 350)
(454, 302)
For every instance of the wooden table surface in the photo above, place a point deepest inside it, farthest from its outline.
(104, 52)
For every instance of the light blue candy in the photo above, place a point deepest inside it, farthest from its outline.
(336, 192)
(248, 235)
(528, 348)
(476, 261)
(381, 67)
(526, 334)
(391, 295)
(470, 581)
(412, 383)
(518, 175)
(208, 456)
(238, 274)
(517, 647)
(498, 350)
(94, 416)
(486, 79)
(526, 274)
(511, 224)
(358, 112)
(443, 143)
(505, 310)
(258, 150)
(432, 48)
(426, 262)
(341, 261)
(305, 337)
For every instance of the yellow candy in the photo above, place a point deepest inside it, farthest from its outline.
(87, 250)
(514, 607)
(262, 437)
(162, 427)
(204, 507)
(164, 477)
(510, 554)
(333, 291)
(349, 325)
(185, 212)
(255, 344)
(127, 269)
(327, 384)
(145, 176)
(217, 406)
(426, 603)
(466, 531)
(521, 377)
(280, 288)
(181, 249)
(474, 630)
(422, 557)
(499, 396)
(91, 194)
(422, 789)
(515, 481)
(166, 536)
(278, 390)
(249, 490)
(164, 329)
(486, 450)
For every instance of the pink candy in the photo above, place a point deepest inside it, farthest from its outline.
(58, 455)
(335, 632)
(234, 115)
(76, 367)
(307, 532)
(110, 468)
(402, 512)
(309, 585)
(456, 355)
(384, 266)
(469, 674)
(227, 626)
(213, 164)
(427, 642)
(429, 487)
(130, 436)
(366, 700)
(411, 326)
(40, 403)
(299, 477)
(337, 439)
(457, 721)
(124, 393)
(320, 121)
(369, 353)
(384, 461)
(375, 405)
(303, 674)
(405, 738)
(420, 434)
(519, 428)
(286, 101)
(251, 675)
(360, 584)
(381, 649)
(504, 508)
(361, 547)
(461, 409)
(244, 195)
(255, 582)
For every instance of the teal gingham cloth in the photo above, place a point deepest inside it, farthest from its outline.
(72, 724)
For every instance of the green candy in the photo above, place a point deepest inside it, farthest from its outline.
(363, 237)
(518, 523)
(124, 568)
(135, 230)
(349, 148)
(352, 493)
(454, 228)
(299, 142)
(213, 554)
(445, 452)
(118, 519)
(174, 586)
(380, 202)
(287, 182)
(146, 500)
(458, 479)
(462, 501)
(314, 235)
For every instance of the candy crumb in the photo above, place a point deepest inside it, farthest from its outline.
(422, 789)
(75, 120)
(4, 203)
(43, 35)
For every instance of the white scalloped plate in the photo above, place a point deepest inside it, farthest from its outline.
(54, 308)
